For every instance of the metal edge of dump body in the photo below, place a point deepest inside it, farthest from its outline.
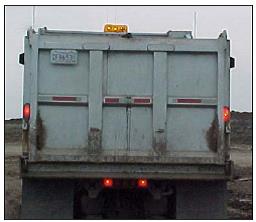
(170, 171)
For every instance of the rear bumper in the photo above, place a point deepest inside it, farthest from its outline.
(79, 170)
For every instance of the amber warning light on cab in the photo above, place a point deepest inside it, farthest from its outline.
(115, 28)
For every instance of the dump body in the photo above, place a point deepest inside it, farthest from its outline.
(126, 106)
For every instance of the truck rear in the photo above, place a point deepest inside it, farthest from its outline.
(125, 125)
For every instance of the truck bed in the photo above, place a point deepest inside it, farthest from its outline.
(126, 105)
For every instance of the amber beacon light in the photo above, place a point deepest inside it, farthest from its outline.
(115, 28)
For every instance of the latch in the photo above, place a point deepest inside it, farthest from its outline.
(227, 128)
(232, 62)
(21, 58)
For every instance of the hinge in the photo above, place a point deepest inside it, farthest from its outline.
(232, 62)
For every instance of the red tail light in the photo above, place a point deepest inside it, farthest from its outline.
(107, 182)
(26, 112)
(226, 114)
(142, 183)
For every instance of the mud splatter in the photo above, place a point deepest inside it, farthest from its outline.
(94, 140)
(159, 142)
(212, 135)
(40, 132)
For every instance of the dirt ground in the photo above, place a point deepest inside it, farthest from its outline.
(239, 190)
(12, 183)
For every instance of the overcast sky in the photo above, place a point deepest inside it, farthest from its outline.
(211, 20)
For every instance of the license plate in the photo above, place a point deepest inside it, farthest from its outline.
(64, 57)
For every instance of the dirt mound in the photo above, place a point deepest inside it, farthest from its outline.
(241, 128)
(240, 194)
(13, 130)
(12, 187)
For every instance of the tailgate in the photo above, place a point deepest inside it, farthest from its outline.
(152, 102)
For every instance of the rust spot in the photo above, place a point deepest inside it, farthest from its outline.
(40, 132)
(212, 135)
(95, 130)
(94, 141)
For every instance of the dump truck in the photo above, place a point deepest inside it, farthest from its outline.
(125, 125)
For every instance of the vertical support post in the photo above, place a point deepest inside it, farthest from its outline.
(160, 101)
(227, 96)
(26, 73)
(95, 101)
(26, 93)
(221, 92)
(33, 39)
(227, 75)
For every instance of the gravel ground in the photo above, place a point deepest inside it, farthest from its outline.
(240, 188)
(12, 188)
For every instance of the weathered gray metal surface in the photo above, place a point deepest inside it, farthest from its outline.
(187, 127)
(125, 170)
(69, 75)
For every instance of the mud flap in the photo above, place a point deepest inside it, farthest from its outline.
(201, 200)
(47, 199)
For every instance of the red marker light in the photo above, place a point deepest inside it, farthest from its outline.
(189, 100)
(64, 98)
(107, 182)
(26, 112)
(142, 100)
(111, 100)
(226, 114)
(143, 183)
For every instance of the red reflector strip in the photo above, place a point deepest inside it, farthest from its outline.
(111, 100)
(189, 100)
(142, 100)
(63, 98)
